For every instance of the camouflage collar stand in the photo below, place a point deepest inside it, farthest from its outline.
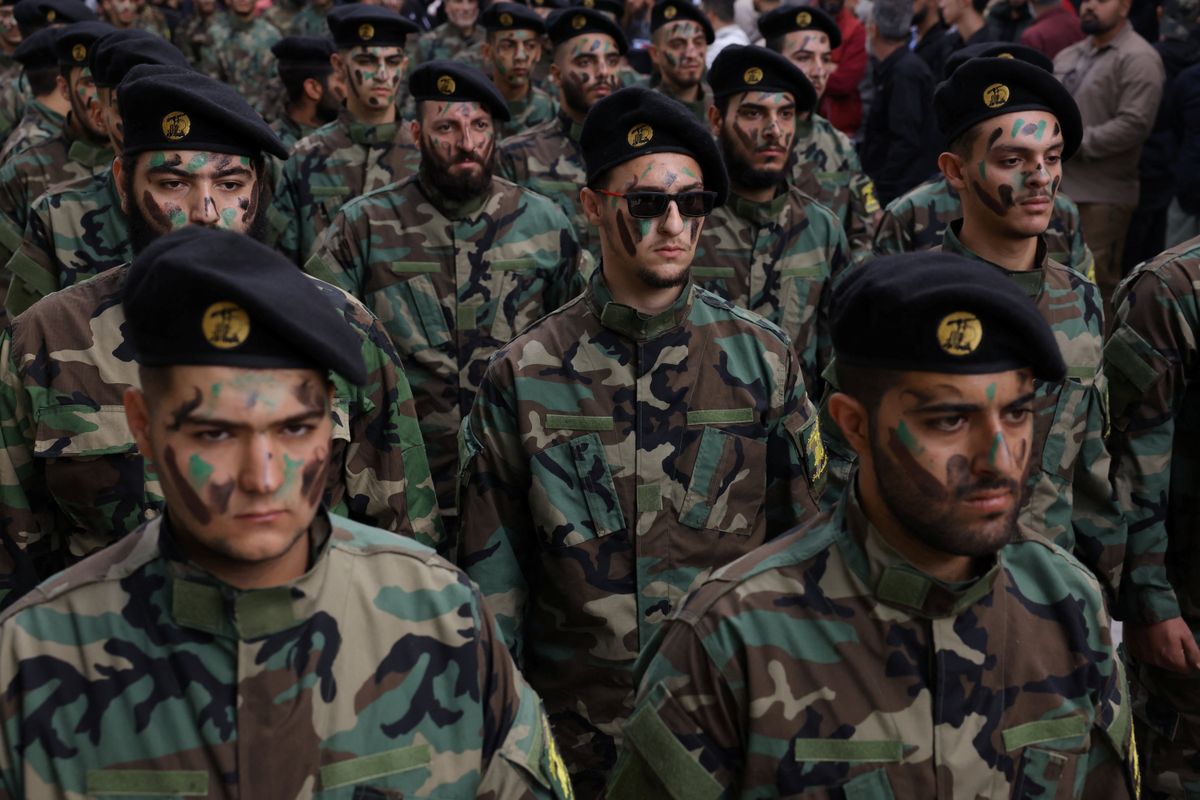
(46, 112)
(201, 602)
(89, 154)
(366, 134)
(630, 322)
(758, 213)
(571, 128)
(1031, 281)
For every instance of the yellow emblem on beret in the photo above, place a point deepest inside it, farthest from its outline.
(506, 20)
(225, 324)
(960, 333)
(78, 52)
(669, 12)
(51, 15)
(589, 3)
(579, 21)
(366, 31)
(446, 84)
(176, 125)
(1005, 55)
(995, 95)
(752, 76)
(640, 135)
(803, 19)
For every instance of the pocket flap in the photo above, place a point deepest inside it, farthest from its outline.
(174, 782)
(1045, 730)
(849, 750)
(329, 191)
(720, 416)
(373, 767)
(416, 266)
(514, 264)
(82, 431)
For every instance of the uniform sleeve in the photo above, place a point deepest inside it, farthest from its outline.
(891, 236)
(568, 279)
(839, 256)
(1147, 359)
(30, 269)
(284, 214)
(337, 256)
(1110, 772)
(864, 207)
(795, 456)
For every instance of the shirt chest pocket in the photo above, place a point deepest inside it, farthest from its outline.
(1049, 754)
(411, 308)
(1068, 419)
(517, 293)
(572, 495)
(840, 769)
(727, 484)
(328, 199)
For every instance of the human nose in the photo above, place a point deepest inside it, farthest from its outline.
(261, 472)
(672, 221)
(204, 210)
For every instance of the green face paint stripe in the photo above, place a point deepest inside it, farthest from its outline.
(198, 161)
(199, 471)
(178, 218)
(982, 169)
(991, 392)
(995, 448)
(228, 216)
(1041, 129)
(1017, 128)
(908, 439)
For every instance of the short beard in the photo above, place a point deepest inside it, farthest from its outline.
(574, 98)
(455, 188)
(747, 177)
(328, 107)
(655, 281)
(1094, 28)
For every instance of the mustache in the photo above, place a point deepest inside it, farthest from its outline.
(989, 485)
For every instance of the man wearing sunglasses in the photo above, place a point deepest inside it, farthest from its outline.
(642, 435)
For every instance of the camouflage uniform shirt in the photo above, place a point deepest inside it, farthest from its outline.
(39, 124)
(448, 43)
(14, 96)
(451, 283)
(777, 259)
(699, 106)
(194, 38)
(825, 665)
(29, 173)
(915, 221)
(289, 131)
(377, 673)
(310, 21)
(611, 459)
(537, 107)
(72, 480)
(336, 164)
(240, 55)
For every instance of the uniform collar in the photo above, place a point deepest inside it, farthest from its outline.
(896, 582)
(367, 134)
(1030, 281)
(89, 154)
(200, 601)
(570, 128)
(47, 113)
(630, 322)
(758, 213)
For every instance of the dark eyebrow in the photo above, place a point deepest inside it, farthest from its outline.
(1018, 148)
(761, 107)
(168, 170)
(946, 408)
(231, 424)
(225, 173)
(1023, 400)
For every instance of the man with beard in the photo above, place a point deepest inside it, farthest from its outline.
(512, 50)
(240, 55)
(967, 24)
(126, 14)
(771, 248)
(78, 151)
(306, 72)
(679, 38)
(454, 261)
(588, 47)
(72, 479)
(460, 38)
(1117, 79)
(910, 644)
(47, 106)
(826, 164)
(645, 433)
(367, 147)
(1005, 161)
(78, 230)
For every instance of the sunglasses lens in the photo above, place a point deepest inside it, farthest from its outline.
(695, 204)
(646, 204)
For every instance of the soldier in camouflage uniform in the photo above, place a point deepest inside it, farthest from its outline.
(281, 13)
(588, 47)
(460, 38)
(909, 644)
(1006, 165)
(248, 643)
(78, 230)
(827, 165)
(194, 35)
(1150, 361)
(47, 107)
(453, 261)
(640, 436)
(71, 477)
(311, 20)
(305, 70)
(771, 248)
(127, 14)
(680, 35)
(240, 55)
(366, 148)
(513, 48)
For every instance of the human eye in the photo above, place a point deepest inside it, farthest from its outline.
(1017, 415)
(946, 423)
(211, 435)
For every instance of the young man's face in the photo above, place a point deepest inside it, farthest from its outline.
(121, 13)
(678, 52)
(952, 10)
(372, 76)
(242, 8)
(585, 69)
(81, 94)
(10, 34)
(457, 142)
(105, 115)
(462, 13)
(242, 455)
(657, 252)
(1012, 174)
(1101, 16)
(173, 188)
(756, 133)
(512, 54)
(810, 51)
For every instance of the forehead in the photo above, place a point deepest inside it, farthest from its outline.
(380, 52)
(766, 99)
(653, 169)
(196, 162)
(515, 34)
(226, 387)
(1000, 388)
(1033, 129)
(588, 43)
(455, 110)
(810, 41)
(683, 27)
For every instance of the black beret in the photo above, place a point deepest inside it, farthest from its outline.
(567, 23)
(983, 88)
(36, 51)
(304, 51)
(201, 295)
(616, 7)
(448, 81)
(512, 17)
(165, 108)
(667, 11)
(114, 55)
(938, 312)
(996, 50)
(57, 12)
(74, 42)
(358, 25)
(548, 3)
(741, 68)
(789, 19)
(635, 121)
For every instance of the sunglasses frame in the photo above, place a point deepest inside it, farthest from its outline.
(669, 199)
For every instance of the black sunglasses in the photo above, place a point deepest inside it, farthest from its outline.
(647, 205)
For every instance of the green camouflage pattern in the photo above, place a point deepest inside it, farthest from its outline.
(1068, 498)
(39, 124)
(240, 55)
(75, 231)
(14, 95)
(537, 107)
(915, 221)
(72, 480)
(310, 21)
(1150, 361)
(699, 107)
(610, 460)
(289, 131)
(446, 42)
(451, 283)
(827, 167)
(281, 13)
(194, 38)
(379, 673)
(825, 665)
(779, 259)
(337, 163)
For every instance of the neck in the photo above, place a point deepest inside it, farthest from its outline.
(278, 571)
(755, 195)
(1015, 255)
(883, 48)
(688, 95)
(244, 17)
(969, 25)
(304, 114)
(7, 48)
(571, 113)
(1101, 39)
(372, 116)
(629, 291)
(466, 32)
(511, 93)
(56, 102)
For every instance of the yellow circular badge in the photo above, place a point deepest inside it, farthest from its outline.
(1004, 55)
(803, 19)
(640, 135)
(669, 12)
(446, 84)
(752, 76)
(995, 95)
(579, 21)
(51, 15)
(506, 20)
(366, 31)
(225, 324)
(78, 52)
(176, 125)
(589, 3)
(960, 333)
